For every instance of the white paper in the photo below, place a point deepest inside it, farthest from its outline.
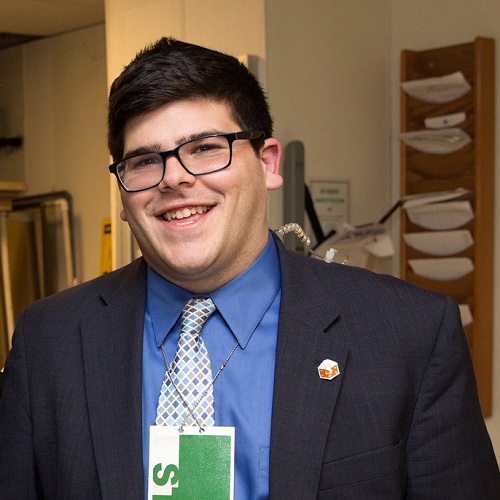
(445, 121)
(446, 269)
(442, 141)
(436, 196)
(440, 243)
(439, 89)
(381, 246)
(441, 216)
(465, 315)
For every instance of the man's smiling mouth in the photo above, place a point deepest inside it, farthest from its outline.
(185, 212)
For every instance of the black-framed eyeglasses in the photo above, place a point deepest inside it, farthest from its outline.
(200, 156)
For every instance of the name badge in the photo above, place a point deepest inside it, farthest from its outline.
(189, 464)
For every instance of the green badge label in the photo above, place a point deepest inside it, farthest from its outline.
(191, 465)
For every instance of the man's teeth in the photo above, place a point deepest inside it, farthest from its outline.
(185, 212)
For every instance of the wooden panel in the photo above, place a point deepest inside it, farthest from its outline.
(472, 167)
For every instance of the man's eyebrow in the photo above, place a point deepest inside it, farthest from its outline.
(197, 135)
(152, 148)
(156, 148)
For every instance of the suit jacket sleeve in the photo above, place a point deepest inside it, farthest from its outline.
(45, 452)
(449, 454)
(18, 478)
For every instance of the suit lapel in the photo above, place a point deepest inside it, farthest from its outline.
(112, 340)
(303, 403)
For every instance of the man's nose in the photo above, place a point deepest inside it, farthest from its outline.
(175, 175)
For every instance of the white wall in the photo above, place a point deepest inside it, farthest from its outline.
(235, 27)
(328, 78)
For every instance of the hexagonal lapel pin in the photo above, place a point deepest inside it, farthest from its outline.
(328, 369)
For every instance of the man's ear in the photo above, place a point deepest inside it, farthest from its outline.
(270, 156)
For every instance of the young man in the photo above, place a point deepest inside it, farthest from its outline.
(191, 137)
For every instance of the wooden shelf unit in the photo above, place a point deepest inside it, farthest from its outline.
(472, 167)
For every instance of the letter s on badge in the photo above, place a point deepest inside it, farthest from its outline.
(165, 477)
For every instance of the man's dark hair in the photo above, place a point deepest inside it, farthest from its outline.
(171, 70)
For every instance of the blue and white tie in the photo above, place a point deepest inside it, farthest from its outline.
(186, 396)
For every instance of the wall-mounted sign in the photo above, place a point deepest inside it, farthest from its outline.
(331, 202)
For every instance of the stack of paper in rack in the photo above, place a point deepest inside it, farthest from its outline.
(444, 136)
(442, 213)
(439, 142)
(438, 89)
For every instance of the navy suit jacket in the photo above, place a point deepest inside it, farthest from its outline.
(402, 420)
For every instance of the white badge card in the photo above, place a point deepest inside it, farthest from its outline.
(189, 464)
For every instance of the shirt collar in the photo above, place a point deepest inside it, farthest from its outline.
(242, 302)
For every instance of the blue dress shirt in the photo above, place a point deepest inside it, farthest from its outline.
(247, 314)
